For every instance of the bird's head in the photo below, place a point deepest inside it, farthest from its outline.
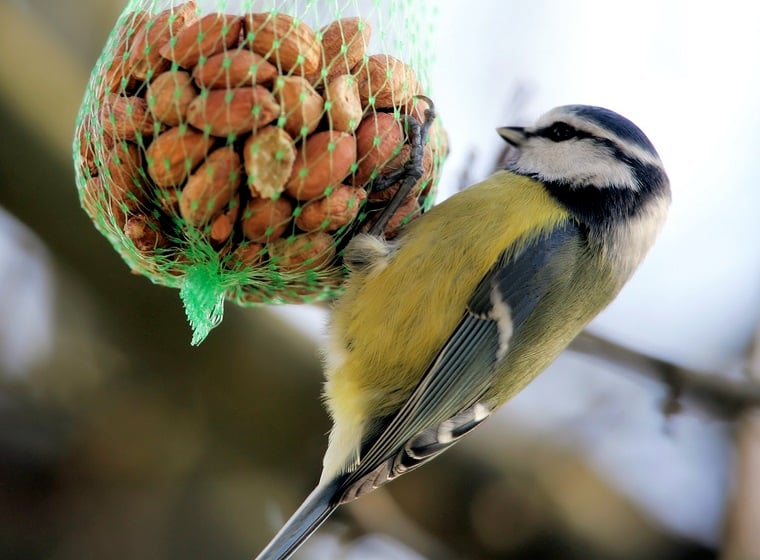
(597, 163)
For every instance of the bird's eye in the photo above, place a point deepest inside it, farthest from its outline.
(559, 132)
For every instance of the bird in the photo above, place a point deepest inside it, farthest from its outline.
(440, 326)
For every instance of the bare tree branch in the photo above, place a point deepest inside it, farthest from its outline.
(742, 538)
(715, 393)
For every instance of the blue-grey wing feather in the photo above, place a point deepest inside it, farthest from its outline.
(522, 279)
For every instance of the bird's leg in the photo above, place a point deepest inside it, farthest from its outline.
(409, 173)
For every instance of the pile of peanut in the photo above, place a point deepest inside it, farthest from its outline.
(256, 131)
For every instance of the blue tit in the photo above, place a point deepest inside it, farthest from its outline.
(439, 327)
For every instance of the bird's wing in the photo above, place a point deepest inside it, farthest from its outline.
(446, 403)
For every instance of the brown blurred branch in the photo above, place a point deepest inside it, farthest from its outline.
(742, 538)
(45, 85)
(716, 393)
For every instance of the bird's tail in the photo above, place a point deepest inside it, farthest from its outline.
(314, 510)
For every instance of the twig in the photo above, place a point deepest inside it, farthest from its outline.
(717, 394)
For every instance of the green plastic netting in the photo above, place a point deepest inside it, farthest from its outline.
(229, 149)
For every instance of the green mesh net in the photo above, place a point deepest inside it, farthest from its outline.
(231, 149)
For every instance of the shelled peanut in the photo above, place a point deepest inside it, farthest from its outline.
(254, 132)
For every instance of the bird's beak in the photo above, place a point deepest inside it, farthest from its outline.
(515, 135)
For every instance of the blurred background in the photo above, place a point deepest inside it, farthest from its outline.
(120, 440)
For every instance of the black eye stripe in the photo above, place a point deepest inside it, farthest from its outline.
(561, 131)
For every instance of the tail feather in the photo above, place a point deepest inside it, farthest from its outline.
(315, 509)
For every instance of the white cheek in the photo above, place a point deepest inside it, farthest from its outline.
(575, 162)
